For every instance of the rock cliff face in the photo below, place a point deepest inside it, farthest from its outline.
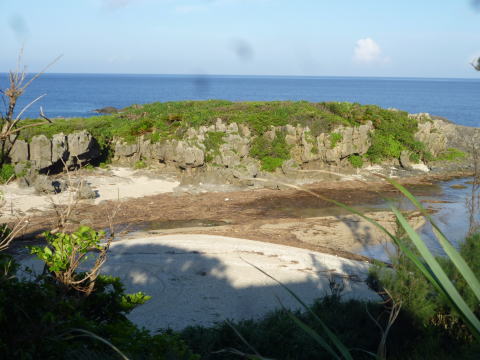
(49, 155)
(228, 157)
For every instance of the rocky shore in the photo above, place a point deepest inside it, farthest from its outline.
(226, 160)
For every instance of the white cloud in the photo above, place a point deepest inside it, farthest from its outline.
(367, 51)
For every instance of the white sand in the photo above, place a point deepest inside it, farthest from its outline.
(203, 279)
(118, 183)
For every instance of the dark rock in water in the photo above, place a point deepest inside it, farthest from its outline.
(107, 110)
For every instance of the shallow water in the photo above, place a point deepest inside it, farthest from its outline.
(449, 213)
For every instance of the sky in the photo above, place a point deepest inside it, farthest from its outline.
(428, 38)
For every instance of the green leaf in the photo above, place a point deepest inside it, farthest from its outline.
(338, 344)
(439, 276)
(449, 249)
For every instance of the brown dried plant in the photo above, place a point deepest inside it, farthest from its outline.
(10, 124)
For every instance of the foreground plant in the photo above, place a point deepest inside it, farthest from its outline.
(65, 253)
(11, 124)
(422, 259)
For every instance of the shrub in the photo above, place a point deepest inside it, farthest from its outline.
(384, 147)
(394, 130)
(271, 154)
(7, 172)
(213, 141)
(37, 318)
(334, 139)
(140, 164)
(277, 336)
(451, 154)
(65, 252)
(418, 296)
(356, 161)
(270, 164)
(415, 158)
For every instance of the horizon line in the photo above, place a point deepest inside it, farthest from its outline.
(260, 75)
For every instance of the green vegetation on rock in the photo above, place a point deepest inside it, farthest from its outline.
(394, 130)
(356, 161)
(140, 164)
(271, 154)
(334, 139)
(213, 141)
(7, 171)
(451, 154)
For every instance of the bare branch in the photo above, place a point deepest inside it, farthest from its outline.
(26, 108)
(41, 72)
(42, 115)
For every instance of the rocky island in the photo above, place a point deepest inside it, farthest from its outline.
(222, 142)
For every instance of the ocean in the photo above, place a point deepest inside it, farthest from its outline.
(78, 95)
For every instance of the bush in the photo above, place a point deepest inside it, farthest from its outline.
(451, 154)
(7, 172)
(384, 147)
(418, 296)
(140, 164)
(213, 141)
(271, 154)
(334, 139)
(356, 161)
(270, 164)
(38, 317)
(415, 158)
(277, 336)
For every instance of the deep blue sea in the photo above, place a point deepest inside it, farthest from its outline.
(74, 95)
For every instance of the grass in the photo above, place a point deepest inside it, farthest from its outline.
(335, 138)
(394, 130)
(171, 118)
(277, 336)
(356, 161)
(7, 171)
(140, 164)
(271, 154)
(451, 154)
(213, 141)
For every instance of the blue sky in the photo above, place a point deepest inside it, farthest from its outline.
(259, 37)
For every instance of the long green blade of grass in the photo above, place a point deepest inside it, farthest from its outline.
(312, 333)
(401, 245)
(96, 337)
(449, 249)
(333, 338)
(440, 276)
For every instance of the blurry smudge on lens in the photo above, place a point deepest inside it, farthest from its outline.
(243, 50)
